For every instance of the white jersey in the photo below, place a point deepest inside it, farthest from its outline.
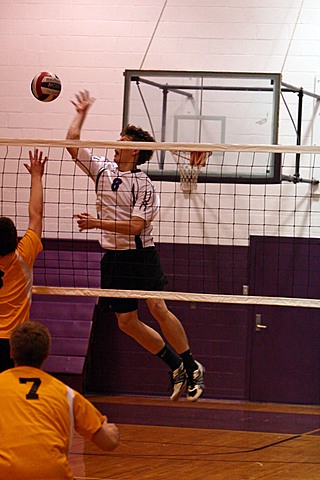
(121, 196)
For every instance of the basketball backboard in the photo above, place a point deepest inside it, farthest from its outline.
(208, 107)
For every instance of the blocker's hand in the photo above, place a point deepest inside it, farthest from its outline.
(37, 163)
(86, 221)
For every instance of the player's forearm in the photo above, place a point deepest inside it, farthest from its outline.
(74, 132)
(36, 197)
(76, 126)
(134, 226)
(36, 205)
(130, 227)
(107, 438)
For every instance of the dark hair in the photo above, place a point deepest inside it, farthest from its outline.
(30, 344)
(8, 236)
(137, 134)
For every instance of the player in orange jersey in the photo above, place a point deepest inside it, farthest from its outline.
(17, 259)
(39, 413)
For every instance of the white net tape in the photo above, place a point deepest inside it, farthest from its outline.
(180, 296)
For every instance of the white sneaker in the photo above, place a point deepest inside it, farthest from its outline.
(179, 382)
(195, 384)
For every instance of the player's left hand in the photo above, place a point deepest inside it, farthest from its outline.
(86, 221)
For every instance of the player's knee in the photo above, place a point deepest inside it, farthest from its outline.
(126, 321)
(158, 310)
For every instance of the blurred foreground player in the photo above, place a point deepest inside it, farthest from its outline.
(38, 414)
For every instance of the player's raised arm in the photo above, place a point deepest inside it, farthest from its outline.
(82, 104)
(36, 169)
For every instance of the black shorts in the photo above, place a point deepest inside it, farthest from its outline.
(130, 270)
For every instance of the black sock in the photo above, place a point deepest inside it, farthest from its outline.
(188, 362)
(168, 356)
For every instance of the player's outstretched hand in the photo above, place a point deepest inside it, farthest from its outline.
(37, 163)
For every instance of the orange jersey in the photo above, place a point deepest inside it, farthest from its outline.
(38, 414)
(16, 283)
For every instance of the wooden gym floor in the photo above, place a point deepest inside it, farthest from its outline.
(203, 441)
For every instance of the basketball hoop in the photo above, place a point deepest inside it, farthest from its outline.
(189, 165)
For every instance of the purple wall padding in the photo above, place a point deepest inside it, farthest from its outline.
(69, 324)
(66, 263)
(64, 364)
(218, 333)
(218, 339)
(205, 268)
(221, 336)
(116, 363)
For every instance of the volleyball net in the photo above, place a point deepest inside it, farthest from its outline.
(242, 225)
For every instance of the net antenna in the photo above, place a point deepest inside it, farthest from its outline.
(189, 165)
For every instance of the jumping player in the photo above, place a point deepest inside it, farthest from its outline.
(126, 206)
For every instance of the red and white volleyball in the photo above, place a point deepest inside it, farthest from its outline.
(46, 86)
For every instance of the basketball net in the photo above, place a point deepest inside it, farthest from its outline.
(189, 165)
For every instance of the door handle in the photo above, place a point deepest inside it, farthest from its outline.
(259, 325)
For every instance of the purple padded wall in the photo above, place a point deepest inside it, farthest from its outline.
(221, 335)
(116, 364)
(65, 263)
(218, 333)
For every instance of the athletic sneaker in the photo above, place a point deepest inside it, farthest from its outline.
(179, 382)
(195, 384)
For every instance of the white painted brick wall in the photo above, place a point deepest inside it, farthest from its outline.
(89, 44)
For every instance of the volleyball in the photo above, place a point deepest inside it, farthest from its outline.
(46, 86)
